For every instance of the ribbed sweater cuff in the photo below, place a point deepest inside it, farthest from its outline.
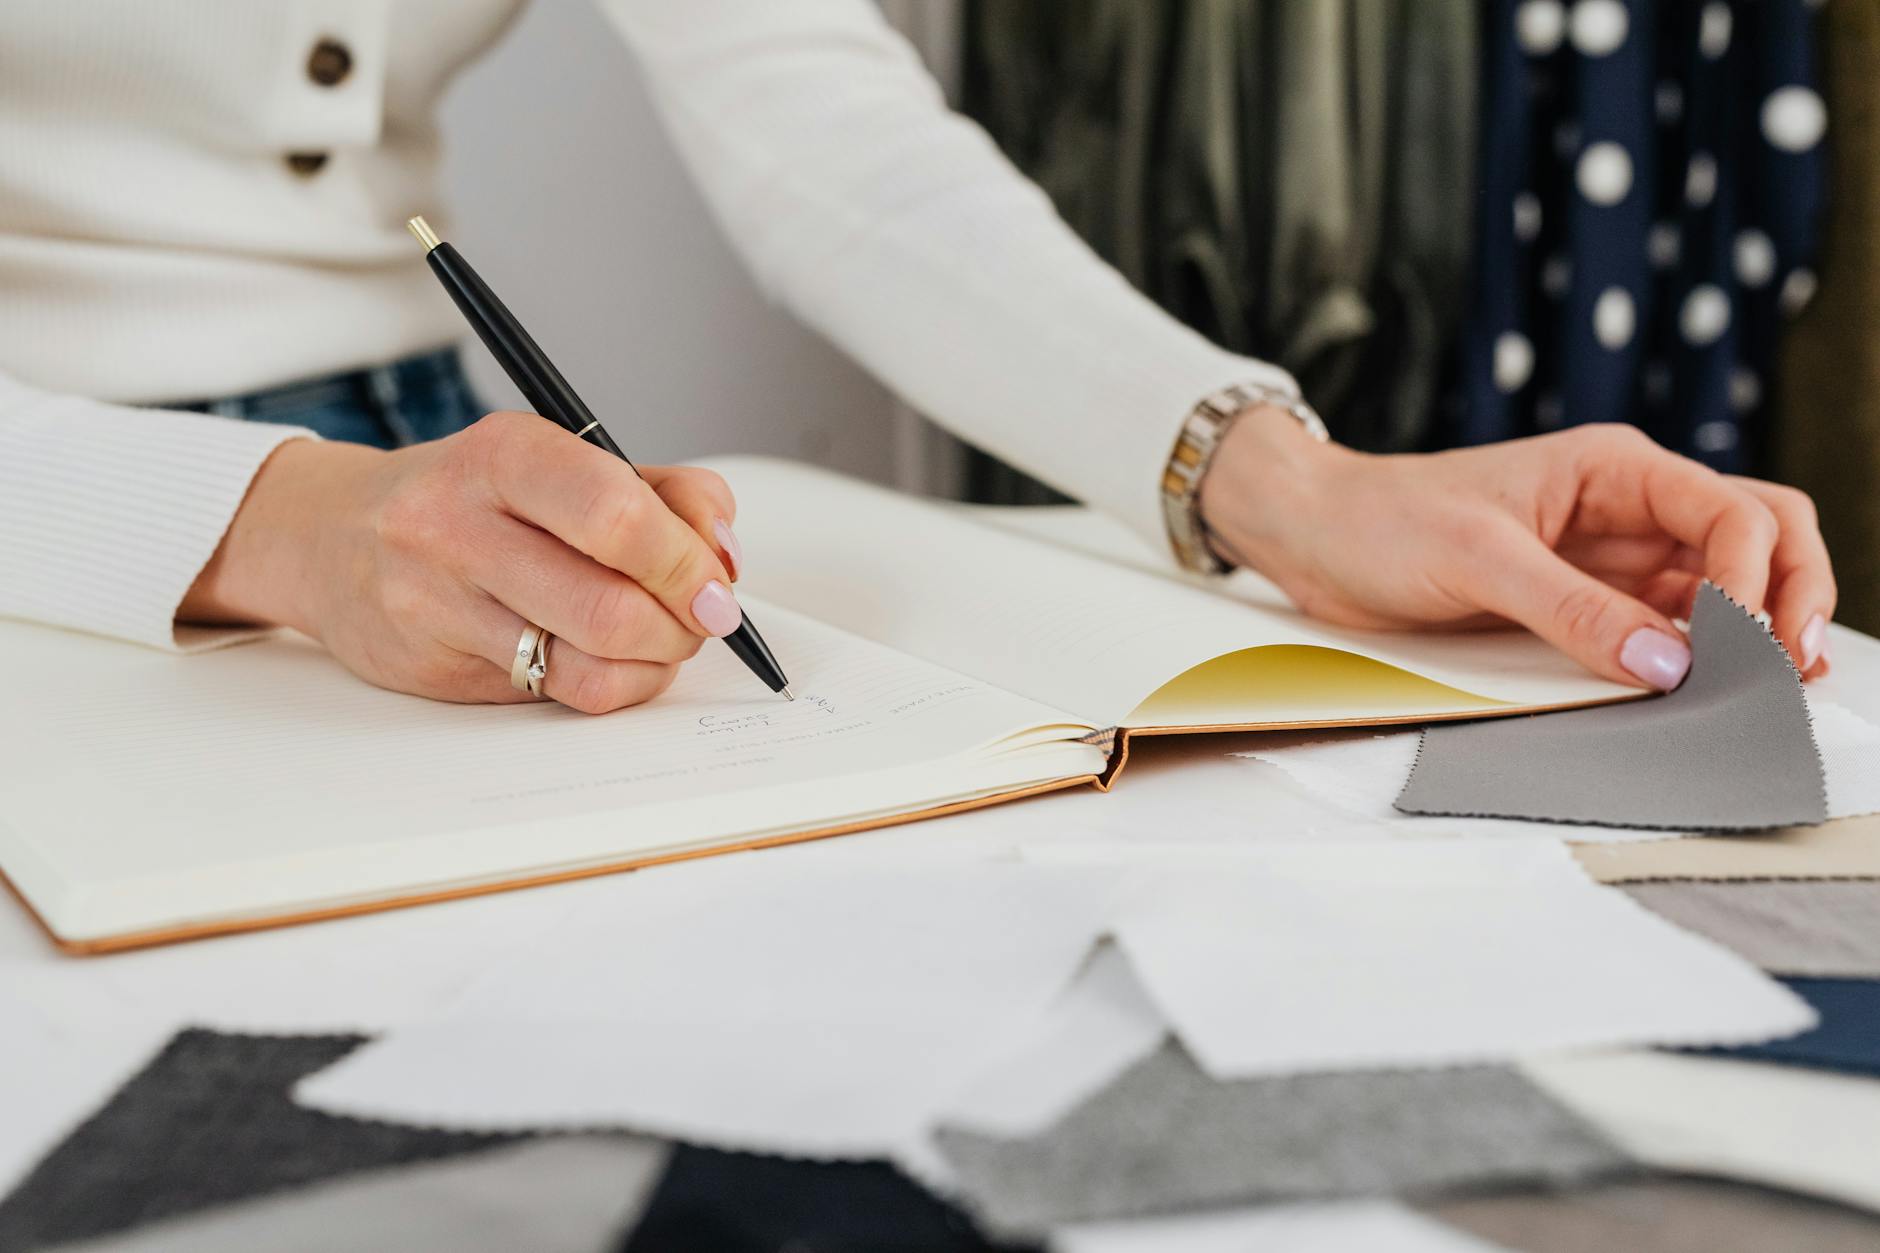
(109, 513)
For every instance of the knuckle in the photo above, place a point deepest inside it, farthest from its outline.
(651, 682)
(671, 648)
(1579, 613)
(712, 486)
(1759, 522)
(677, 569)
(1619, 438)
(444, 674)
(612, 619)
(486, 442)
(1798, 503)
(403, 600)
(593, 691)
(681, 479)
(610, 512)
(500, 427)
(410, 518)
(477, 442)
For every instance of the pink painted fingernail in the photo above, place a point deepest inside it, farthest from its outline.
(1814, 642)
(728, 540)
(717, 609)
(1656, 659)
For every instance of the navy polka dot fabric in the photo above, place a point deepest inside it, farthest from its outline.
(1652, 182)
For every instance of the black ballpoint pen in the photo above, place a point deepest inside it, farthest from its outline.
(545, 389)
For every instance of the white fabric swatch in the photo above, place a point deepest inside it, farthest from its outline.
(1339, 1227)
(803, 1005)
(819, 1006)
(1811, 1131)
(1304, 959)
(1854, 680)
(1850, 758)
(1102, 1026)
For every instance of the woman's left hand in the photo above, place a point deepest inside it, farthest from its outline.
(1594, 538)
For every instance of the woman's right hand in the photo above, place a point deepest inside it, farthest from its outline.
(418, 568)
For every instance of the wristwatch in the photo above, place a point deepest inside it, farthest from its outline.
(1201, 434)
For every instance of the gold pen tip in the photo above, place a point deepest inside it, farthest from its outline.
(422, 229)
(786, 693)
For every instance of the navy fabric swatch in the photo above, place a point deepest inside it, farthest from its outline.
(1651, 191)
(1848, 1038)
(753, 1203)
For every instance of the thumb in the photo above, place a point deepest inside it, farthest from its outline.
(1608, 632)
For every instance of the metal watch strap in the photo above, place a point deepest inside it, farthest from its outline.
(1201, 434)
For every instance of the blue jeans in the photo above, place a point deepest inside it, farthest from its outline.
(388, 406)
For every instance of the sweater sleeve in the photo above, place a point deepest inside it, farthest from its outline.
(108, 513)
(896, 228)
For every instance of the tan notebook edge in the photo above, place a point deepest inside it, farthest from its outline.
(1119, 757)
(1119, 754)
(202, 931)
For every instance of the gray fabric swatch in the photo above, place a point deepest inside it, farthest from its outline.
(1666, 1214)
(546, 1196)
(1825, 929)
(207, 1122)
(1164, 1137)
(1730, 750)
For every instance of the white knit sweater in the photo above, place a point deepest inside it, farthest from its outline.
(156, 245)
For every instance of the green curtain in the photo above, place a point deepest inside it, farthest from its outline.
(1290, 177)
(1826, 434)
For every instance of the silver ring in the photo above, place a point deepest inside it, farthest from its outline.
(528, 668)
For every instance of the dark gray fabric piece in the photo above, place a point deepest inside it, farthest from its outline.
(1826, 929)
(207, 1132)
(1730, 750)
(207, 1122)
(575, 1195)
(1166, 1137)
(1667, 1214)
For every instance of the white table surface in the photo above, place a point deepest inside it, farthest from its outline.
(57, 1063)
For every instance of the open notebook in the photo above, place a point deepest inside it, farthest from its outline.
(944, 657)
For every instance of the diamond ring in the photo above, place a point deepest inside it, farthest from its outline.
(529, 667)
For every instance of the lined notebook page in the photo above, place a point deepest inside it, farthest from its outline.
(141, 787)
(1066, 614)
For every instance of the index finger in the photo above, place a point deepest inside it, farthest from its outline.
(596, 504)
(1638, 486)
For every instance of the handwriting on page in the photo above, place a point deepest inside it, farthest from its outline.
(746, 725)
(275, 737)
(860, 704)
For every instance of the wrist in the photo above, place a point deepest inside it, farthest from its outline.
(261, 572)
(1267, 475)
